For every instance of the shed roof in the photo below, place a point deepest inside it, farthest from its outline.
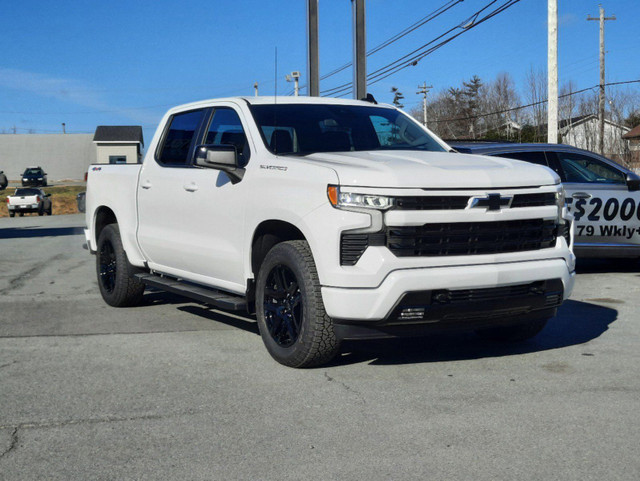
(634, 133)
(119, 133)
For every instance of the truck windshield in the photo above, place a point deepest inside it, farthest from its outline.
(300, 129)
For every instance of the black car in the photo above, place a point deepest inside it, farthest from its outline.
(602, 195)
(34, 176)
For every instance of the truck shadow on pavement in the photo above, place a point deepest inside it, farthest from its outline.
(27, 232)
(576, 323)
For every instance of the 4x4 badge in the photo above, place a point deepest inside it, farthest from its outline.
(491, 202)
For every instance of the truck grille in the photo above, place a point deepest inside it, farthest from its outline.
(460, 202)
(471, 238)
(453, 239)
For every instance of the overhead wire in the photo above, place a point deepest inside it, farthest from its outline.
(413, 57)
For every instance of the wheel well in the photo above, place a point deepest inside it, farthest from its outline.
(104, 217)
(267, 235)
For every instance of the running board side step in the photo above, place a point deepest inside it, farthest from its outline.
(223, 300)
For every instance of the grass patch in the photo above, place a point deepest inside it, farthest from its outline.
(63, 199)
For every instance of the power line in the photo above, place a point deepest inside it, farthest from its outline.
(413, 57)
(436, 13)
(520, 107)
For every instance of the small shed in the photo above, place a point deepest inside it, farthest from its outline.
(118, 144)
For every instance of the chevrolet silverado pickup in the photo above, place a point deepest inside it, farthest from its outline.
(331, 220)
(26, 200)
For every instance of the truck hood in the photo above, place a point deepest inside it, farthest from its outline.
(434, 170)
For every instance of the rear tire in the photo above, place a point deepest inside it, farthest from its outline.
(12, 214)
(118, 286)
(515, 333)
(293, 323)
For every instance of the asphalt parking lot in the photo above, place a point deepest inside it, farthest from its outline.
(176, 390)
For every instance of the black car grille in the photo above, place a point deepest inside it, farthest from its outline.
(448, 202)
(352, 246)
(471, 238)
(454, 239)
(533, 200)
(460, 202)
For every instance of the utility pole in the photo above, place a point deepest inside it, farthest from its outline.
(424, 88)
(255, 88)
(64, 128)
(552, 71)
(359, 50)
(313, 63)
(601, 19)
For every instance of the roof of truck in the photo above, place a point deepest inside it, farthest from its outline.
(279, 100)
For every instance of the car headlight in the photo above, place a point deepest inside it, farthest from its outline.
(25, 178)
(360, 201)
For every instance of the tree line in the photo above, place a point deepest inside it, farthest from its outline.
(496, 110)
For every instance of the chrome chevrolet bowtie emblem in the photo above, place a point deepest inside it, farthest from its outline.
(491, 202)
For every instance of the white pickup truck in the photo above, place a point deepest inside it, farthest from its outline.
(331, 220)
(29, 199)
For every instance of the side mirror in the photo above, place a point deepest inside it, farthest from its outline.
(633, 182)
(220, 157)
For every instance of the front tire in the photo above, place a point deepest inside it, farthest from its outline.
(515, 333)
(12, 214)
(118, 286)
(293, 324)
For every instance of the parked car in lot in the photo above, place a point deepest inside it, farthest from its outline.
(602, 195)
(3, 180)
(26, 200)
(34, 176)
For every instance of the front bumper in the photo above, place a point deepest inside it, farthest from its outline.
(377, 305)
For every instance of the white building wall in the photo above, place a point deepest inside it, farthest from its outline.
(62, 156)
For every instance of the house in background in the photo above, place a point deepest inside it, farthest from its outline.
(633, 139)
(118, 144)
(584, 131)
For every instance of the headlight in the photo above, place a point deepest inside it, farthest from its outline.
(25, 178)
(360, 201)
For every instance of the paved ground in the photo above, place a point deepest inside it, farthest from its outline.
(175, 390)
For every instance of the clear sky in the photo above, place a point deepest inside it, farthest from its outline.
(89, 63)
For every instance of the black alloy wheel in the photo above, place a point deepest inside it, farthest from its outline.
(283, 309)
(116, 276)
(108, 266)
(292, 320)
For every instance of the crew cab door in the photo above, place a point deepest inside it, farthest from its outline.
(191, 219)
(606, 211)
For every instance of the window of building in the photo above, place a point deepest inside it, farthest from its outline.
(117, 159)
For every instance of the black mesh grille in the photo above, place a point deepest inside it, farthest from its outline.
(447, 202)
(458, 202)
(471, 238)
(352, 246)
(447, 296)
(533, 200)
